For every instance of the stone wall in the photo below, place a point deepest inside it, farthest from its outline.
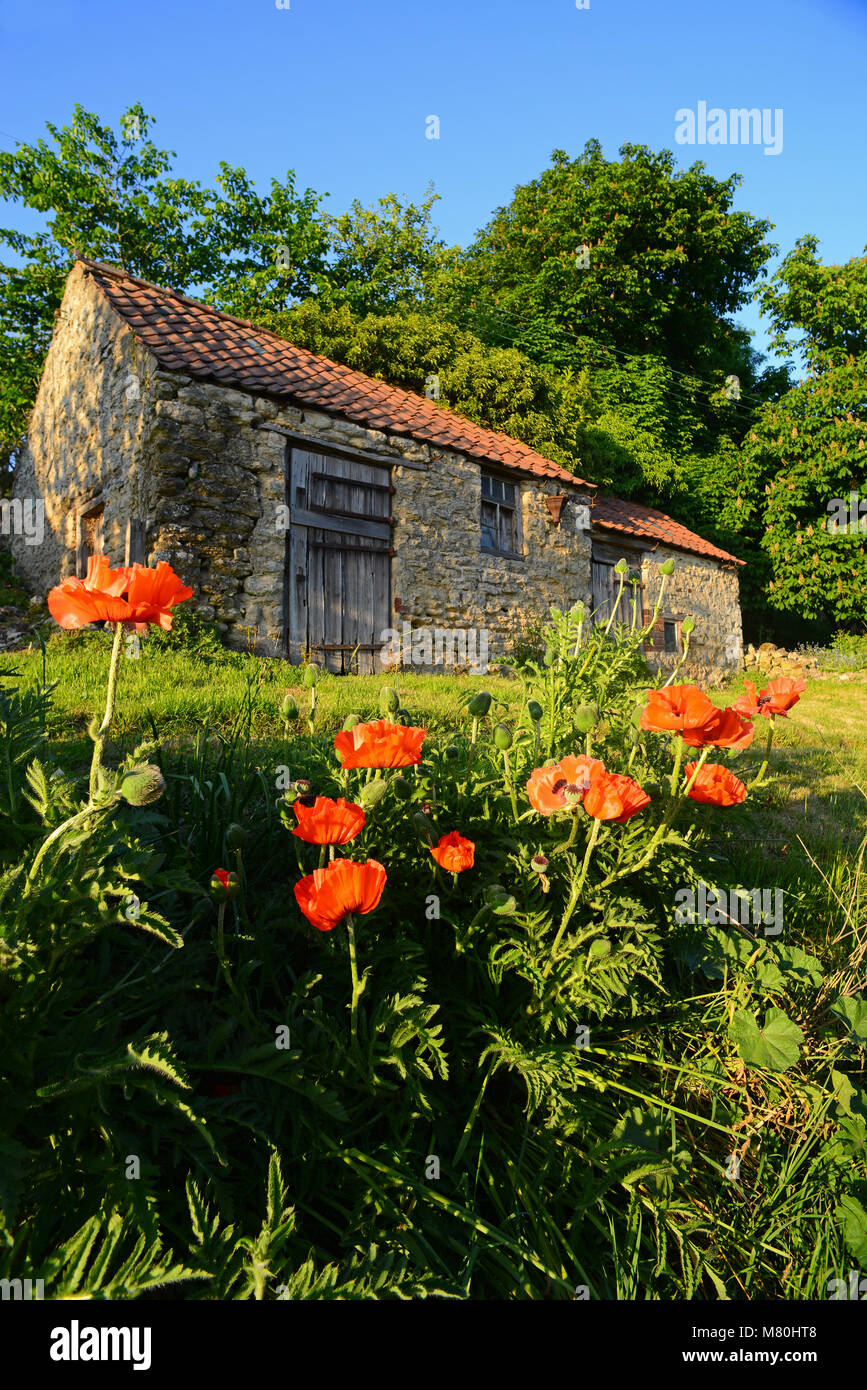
(85, 433)
(703, 589)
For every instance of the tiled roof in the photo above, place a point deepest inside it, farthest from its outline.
(190, 337)
(187, 336)
(635, 519)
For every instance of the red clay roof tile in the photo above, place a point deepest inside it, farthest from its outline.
(191, 337)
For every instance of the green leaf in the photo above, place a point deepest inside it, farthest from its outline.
(775, 1046)
(853, 1011)
(852, 1220)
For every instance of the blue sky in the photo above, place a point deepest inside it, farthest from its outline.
(340, 90)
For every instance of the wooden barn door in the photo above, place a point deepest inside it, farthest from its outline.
(338, 589)
(605, 583)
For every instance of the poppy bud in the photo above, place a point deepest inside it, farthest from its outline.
(288, 708)
(312, 672)
(402, 786)
(599, 948)
(142, 785)
(350, 721)
(389, 700)
(687, 626)
(621, 567)
(667, 566)
(550, 656)
(405, 715)
(93, 728)
(302, 786)
(499, 900)
(372, 792)
(422, 824)
(452, 751)
(224, 885)
(585, 718)
(503, 737)
(577, 611)
(479, 704)
(236, 836)
(535, 710)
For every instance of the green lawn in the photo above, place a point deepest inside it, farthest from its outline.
(820, 751)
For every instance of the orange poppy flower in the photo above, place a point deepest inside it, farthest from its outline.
(96, 598)
(328, 822)
(454, 853)
(327, 895)
(715, 785)
(724, 729)
(778, 698)
(676, 708)
(102, 596)
(547, 785)
(154, 593)
(612, 797)
(379, 745)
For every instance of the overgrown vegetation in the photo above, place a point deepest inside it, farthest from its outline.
(556, 1085)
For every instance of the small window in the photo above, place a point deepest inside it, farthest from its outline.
(499, 516)
(671, 637)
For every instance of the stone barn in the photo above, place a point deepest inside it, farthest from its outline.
(317, 511)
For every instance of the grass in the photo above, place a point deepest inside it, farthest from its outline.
(820, 750)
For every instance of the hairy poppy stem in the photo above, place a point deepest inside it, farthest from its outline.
(111, 693)
(353, 966)
(575, 895)
(757, 780)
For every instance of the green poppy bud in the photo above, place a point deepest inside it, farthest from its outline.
(585, 718)
(288, 708)
(667, 566)
(312, 672)
(350, 722)
(499, 900)
(621, 567)
(402, 787)
(599, 948)
(372, 792)
(142, 785)
(389, 700)
(479, 704)
(687, 626)
(503, 737)
(577, 611)
(422, 824)
(535, 710)
(93, 728)
(452, 752)
(236, 836)
(550, 656)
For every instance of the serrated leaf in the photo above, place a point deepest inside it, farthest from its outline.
(776, 1045)
(853, 1012)
(852, 1220)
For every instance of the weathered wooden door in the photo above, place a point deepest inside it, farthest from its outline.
(337, 598)
(605, 582)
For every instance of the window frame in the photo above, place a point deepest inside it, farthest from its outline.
(502, 507)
